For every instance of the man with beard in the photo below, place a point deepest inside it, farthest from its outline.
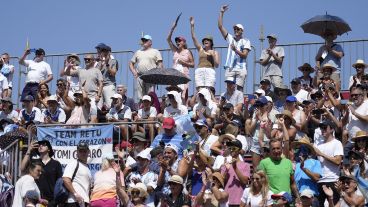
(38, 72)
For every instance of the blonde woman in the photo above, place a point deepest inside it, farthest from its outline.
(258, 194)
(105, 184)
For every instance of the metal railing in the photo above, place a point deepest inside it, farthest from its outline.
(295, 55)
(10, 159)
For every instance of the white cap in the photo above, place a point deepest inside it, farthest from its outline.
(269, 99)
(239, 26)
(145, 154)
(146, 97)
(52, 98)
(116, 95)
(172, 146)
(307, 193)
(260, 91)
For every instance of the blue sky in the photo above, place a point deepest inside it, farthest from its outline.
(77, 26)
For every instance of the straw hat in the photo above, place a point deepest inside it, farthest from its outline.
(219, 178)
(359, 62)
(304, 141)
(73, 55)
(360, 135)
(288, 114)
(328, 66)
(139, 186)
(306, 66)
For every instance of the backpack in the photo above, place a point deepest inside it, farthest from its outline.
(61, 194)
(6, 193)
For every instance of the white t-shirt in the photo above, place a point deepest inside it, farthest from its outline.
(172, 112)
(3, 83)
(301, 96)
(254, 200)
(13, 115)
(356, 124)
(82, 180)
(37, 71)
(330, 171)
(151, 113)
(24, 184)
(37, 111)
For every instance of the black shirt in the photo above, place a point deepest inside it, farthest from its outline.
(50, 173)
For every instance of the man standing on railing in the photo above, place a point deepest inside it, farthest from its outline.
(38, 72)
(237, 53)
(143, 60)
(271, 59)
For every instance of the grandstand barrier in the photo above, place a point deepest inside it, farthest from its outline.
(9, 160)
(295, 55)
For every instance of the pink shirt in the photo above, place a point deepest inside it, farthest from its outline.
(184, 55)
(233, 183)
(105, 184)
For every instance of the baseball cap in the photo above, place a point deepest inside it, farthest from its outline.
(176, 179)
(296, 81)
(266, 81)
(291, 99)
(48, 144)
(260, 91)
(139, 136)
(40, 51)
(273, 36)
(262, 100)
(307, 193)
(28, 98)
(228, 106)
(239, 26)
(146, 97)
(284, 195)
(201, 122)
(230, 80)
(172, 146)
(145, 154)
(269, 99)
(116, 95)
(100, 45)
(82, 146)
(168, 123)
(52, 98)
(32, 194)
(146, 37)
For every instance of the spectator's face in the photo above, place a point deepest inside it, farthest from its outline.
(289, 105)
(121, 91)
(28, 104)
(237, 31)
(202, 99)
(348, 185)
(146, 103)
(116, 102)
(256, 180)
(142, 162)
(276, 150)
(265, 86)
(306, 201)
(78, 98)
(326, 131)
(89, 61)
(5, 58)
(169, 131)
(327, 72)
(357, 97)
(175, 188)
(42, 148)
(201, 130)
(234, 151)
(104, 53)
(135, 195)
(138, 145)
(361, 143)
(230, 86)
(43, 89)
(280, 202)
(295, 87)
(52, 105)
(354, 160)
(36, 172)
(170, 154)
(283, 93)
(61, 86)
(272, 42)
(229, 111)
(146, 43)
(82, 154)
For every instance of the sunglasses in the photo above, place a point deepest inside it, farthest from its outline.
(347, 181)
(59, 84)
(355, 95)
(87, 59)
(135, 192)
(237, 29)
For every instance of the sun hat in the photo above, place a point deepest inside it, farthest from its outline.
(360, 135)
(176, 179)
(306, 66)
(219, 177)
(139, 186)
(307, 193)
(305, 142)
(328, 66)
(359, 62)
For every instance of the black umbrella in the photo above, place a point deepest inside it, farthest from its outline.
(162, 76)
(320, 23)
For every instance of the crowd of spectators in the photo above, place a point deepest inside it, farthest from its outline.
(302, 143)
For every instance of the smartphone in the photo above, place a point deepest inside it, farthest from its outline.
(32, 50)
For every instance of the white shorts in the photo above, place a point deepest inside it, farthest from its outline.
(205, 77)
(238, 74)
